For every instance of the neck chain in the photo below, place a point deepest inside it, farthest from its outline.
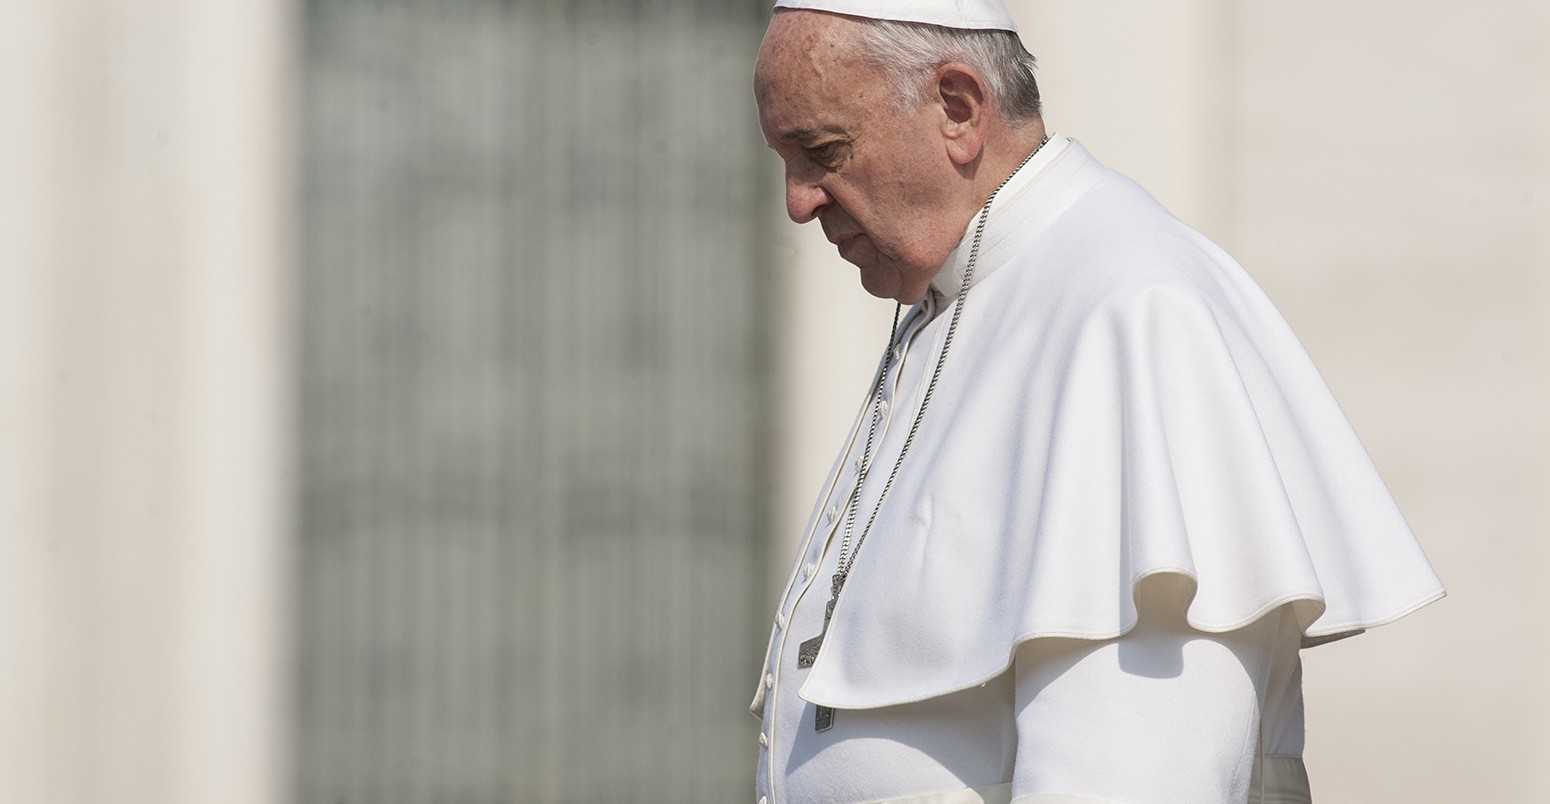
(807, 653)
(847, 556)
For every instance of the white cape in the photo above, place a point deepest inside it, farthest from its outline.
(1120, 400)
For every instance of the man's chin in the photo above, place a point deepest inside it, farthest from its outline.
(885, 283)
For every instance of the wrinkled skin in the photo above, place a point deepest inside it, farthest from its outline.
(893, 189)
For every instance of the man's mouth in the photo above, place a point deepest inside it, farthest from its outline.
(845, 245)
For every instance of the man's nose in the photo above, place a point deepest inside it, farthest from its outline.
(804, 198)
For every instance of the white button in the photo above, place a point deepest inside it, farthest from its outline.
(764, 742)
(860, 464)
(764, 800)
(780, 621)
(769, 681)
(833, 513)
(882, 405)
(808, 570)
(898, 353)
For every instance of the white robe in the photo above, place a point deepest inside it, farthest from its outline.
(1120, 402)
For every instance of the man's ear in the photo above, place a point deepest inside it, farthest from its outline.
(961, 92)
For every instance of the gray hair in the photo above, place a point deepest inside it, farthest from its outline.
(907, 52)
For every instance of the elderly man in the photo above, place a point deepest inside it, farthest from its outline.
(1097, 499)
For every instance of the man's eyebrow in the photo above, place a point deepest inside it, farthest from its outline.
(805, 135)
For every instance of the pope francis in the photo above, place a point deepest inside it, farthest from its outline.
(1097, 499)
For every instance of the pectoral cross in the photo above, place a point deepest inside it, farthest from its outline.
(807, 654)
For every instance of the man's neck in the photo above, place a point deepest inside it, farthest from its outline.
(1005, 151)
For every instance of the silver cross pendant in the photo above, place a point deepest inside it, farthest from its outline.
(807, 654)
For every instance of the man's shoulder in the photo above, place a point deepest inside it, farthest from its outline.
(1116, 261)
(1116, 243)
(1119, 224)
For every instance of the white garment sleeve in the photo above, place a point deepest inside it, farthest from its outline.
(1163, 714)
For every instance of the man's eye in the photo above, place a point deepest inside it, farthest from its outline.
(826, 154)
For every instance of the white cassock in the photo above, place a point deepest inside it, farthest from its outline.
(1131, 501)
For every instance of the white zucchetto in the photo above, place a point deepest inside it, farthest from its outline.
(970, 14)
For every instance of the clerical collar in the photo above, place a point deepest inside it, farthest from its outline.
(947, 282)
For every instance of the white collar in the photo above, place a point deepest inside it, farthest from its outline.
(949, 279)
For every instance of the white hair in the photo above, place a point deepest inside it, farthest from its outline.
(908, 52)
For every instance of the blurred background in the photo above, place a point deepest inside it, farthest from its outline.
(416, 400)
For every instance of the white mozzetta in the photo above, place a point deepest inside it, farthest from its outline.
(1121, 400)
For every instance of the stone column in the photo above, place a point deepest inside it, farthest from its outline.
(144, 414)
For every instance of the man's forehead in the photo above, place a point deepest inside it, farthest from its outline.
(804, 109)
(801, 114)
(802, 35)
(806, 76)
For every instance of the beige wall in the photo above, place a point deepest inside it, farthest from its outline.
(143, 387)
(1383, 170)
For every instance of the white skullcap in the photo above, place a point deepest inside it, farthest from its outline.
(978, 14)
